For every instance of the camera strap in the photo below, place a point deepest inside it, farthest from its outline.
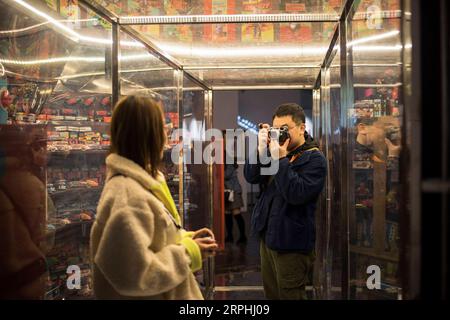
(296, 154)
(309, 145)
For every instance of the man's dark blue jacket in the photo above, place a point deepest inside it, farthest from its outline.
(284, 214)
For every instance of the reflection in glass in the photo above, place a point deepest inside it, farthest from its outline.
(24, 239)
(56, 63)
(375, 140)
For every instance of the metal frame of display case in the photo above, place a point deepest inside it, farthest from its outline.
(341, 34)
(210, 263)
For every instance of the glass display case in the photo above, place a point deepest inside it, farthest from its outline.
(62, 66)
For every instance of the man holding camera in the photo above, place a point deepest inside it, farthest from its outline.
(284, 214)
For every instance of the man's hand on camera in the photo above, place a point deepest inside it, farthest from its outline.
(263, 139)
(278, 152)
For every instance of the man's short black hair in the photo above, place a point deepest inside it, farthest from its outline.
(290, 109)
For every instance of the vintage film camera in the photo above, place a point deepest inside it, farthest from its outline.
(280, 134)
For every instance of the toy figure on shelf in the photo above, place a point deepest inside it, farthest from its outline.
(106, 101)
(362, 192)
(89, 102)
(72, 101)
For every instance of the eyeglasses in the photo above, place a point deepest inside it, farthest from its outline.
(289, 128)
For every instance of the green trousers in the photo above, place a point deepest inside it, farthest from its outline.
(285, 275)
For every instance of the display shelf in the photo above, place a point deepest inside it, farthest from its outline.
(60, 193)
(86, 122)
(79, 152)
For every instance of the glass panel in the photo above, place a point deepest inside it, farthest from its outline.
(144, 74)
(196, 171)
(57, 71)
(196, 193)
(207, 7)
(375, 136)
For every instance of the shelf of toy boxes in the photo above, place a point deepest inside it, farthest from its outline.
(78, 142)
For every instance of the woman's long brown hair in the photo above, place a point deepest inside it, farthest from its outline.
(137, 132)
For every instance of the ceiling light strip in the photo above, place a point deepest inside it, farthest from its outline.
(50, 19)
(22, 30)
(230, 18)
(253, 18)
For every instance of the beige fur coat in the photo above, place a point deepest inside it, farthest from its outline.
(137, 250)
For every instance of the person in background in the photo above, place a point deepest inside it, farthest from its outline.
(233, 204)
(138, 248)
